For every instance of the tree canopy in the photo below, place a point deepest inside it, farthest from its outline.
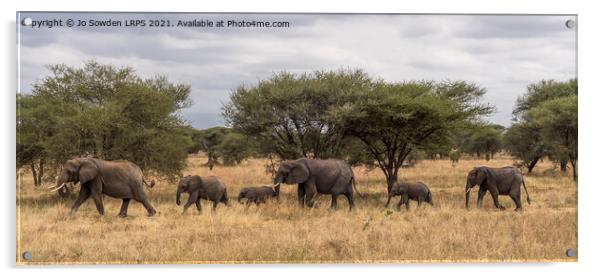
(288, 114)
(394, 119)
(346, 114)
(545, 124)
(105, 112)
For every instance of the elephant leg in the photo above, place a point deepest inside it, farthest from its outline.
(350, 200)
(84, 194)
(333, 203)
(124, 207)
(482, 192)
(310, 192)
(496, 202)
(141, 197)
(149, 208)
(516, 198)
(214, 206)
(406, 199)
(309, 200)
(191, 199)
(420, 199)
(400, 203)
(186, 206)
(98, 202)
(97, 197)
(198, 205)
(301, 195)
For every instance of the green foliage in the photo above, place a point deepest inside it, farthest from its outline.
(557, 119)
(234, 148)
(524, 141)
(224, 143)
(543, 91)
(547, 116)
(289, 114)
(392, 120)
(104, 112)
(344, 114)
(483, 139)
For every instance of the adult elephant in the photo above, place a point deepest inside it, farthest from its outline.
(498, 181)
(119, 179)
(331, 176)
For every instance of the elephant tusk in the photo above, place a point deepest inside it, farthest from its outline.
(59, 187)
(276, 185)
(468, 190)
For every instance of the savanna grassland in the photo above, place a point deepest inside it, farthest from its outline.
(283, 232)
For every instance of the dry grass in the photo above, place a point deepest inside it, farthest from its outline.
(285, 233)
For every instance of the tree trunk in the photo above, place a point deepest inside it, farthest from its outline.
(40, 171)
(32, 165)
(532, 164)
(563, 164)
(391, 181)
(574, 165)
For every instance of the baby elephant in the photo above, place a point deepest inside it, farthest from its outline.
(258, 194)
(417, 191)
(209, 188)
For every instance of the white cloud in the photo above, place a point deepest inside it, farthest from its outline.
(501, 53)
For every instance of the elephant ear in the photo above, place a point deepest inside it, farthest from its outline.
(482, 175)
(195, 182)
(87, 171)
(299, 173)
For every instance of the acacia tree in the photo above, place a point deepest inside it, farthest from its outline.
(524, 141)
(533, 115)
(557, 119)
(288, 114)
(105, 112)
(485, 139)
(41, 142)
(392, 120)
(222, 143)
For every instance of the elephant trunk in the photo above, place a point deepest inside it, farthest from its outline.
(178, 193)
(468, 187)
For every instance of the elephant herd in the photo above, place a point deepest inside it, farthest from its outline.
(124, 180)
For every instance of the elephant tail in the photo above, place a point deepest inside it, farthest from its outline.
(525, 187)
(354, 187)
(152, 183)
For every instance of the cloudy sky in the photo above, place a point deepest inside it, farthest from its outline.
(501, 53)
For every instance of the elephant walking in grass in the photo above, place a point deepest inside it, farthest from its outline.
(197, 187)
(119, 179)
(498, 181)
(417, 191)
(258, 195)
(332, 176)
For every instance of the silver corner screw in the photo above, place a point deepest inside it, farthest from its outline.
(570, 24)
(570, 253)
(26, 21)
(27, 256)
